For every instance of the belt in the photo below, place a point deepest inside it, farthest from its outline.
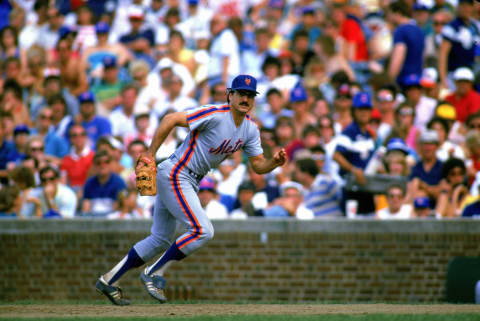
(198, 177)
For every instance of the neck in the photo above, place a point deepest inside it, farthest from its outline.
(103, 178)
(237, 117)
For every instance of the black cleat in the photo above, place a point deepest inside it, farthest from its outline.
(113, 293)
(154, 284)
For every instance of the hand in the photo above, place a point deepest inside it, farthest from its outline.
(359, 176)
(143, 160)
(280, 157)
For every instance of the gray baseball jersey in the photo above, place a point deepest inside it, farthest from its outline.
(213, 137)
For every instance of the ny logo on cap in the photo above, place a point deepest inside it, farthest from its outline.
(248, 81)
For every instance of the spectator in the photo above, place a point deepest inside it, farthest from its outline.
(75, 166)
(108, 89)
(433, 41)
(31, 32)
(9, 44)
(446, 148)
(385, 103)
(72, 69)
(175, 100)
(424, 106)
(9, 202)
(299, 104)
(454, 190)
(422, 207)
(342, 107)
(96, 126)
(427, 172)
(122, 118)
(252, 60)
(334, 61)
(179, 53)
(85, 28)
(301, 52)
(473, 121)
(11, 102)
(48, 37)
(23, 178)
(404, 127)
(274, 108)
(52, 199)
(144, 129)
(266, 189)
(430, 83)
(207, 195)
(114, 148)
(60, 116)
(284, 131)
(472, 143)
(322, 194)
(409, 42)
(20, 139)
(141, 39)
(128, 208)
(290, 204)
(396, 209)
(56, 147)
(458, 43)
(354, 149)
(244, 204)
(224, 63)
(472, 209)
(465, 99)
(102, 191)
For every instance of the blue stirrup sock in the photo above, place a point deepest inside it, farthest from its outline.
(132, 260)
(173, 253)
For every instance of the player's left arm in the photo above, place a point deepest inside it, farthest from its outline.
(261, 165)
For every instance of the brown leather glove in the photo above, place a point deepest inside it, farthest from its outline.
(146, 176)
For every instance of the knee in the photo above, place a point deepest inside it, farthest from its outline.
(159, 243)
(208, 232)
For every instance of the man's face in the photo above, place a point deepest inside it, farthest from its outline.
(363, 115)
(242, 100)
(456, 176)
(414, 93)
(78, 136)
(428, 150)
(44, 119)
(293, 195)
(49, 177)
(110, 75)
(136, 150)
(385, 102)
(463, 87)
(103, 165)
(205, 196)
(474, 124)
(395, 199)
(87, 109)
(128, 98)
(245, 196)
(464, 10)
(12, 69)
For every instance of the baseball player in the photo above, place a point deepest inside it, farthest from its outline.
(216, 132)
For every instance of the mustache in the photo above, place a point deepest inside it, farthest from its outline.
(244, 104)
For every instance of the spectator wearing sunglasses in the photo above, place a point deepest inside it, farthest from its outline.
(52, 198)
(396, 209)
(101, 192)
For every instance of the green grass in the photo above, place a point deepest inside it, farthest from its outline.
(369, 317)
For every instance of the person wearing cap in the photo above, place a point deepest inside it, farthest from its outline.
(7, 150)
(107, 90)
(95, 55)
(355, 148)
(72, 68)
(224, 61)
(141, 38)
(102, 191)
(20, 139)
(216, 132)
(408, 43)
(446, 148)
(424, 106)
(300, 106)
(396, 159)
(459, 41)
(422, 207)
(465, 99)
(96, 126)
(207, 194)
(342, 105)
(426, 174)
(430, 84)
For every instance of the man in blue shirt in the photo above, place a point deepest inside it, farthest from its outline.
(102, 191)
(460, 39)
(408, 44)
(427, 173)
(7, 150)
(96, 126)
(355, 147)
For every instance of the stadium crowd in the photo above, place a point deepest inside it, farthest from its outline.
(376, 103)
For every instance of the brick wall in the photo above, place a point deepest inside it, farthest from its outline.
(247, 260)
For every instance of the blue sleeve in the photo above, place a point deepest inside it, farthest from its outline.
(414, 173)
(105, 128)
(399, 36)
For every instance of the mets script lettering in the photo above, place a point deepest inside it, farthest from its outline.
(226, 148)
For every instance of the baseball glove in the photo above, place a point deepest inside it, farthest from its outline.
(146, 176)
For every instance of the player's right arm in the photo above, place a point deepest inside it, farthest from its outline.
(166, 125)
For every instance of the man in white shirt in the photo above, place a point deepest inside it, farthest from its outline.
(424, 106)
(122, 118)
(396, 208)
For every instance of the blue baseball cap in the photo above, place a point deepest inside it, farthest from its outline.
(244, 82)
(362, 100)
(308, 10)
(102, 27)
(421, 202)
(109, 62)
(192, 2)
(298, 93)
(21, 129)
(418, 6)
(86, 97)
(65, 31)
(397, 144)
(277, 4)
(412, 80)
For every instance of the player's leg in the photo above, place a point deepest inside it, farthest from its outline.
(182, 201)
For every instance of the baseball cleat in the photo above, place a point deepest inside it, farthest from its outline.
(154, 284)
(113, 293)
